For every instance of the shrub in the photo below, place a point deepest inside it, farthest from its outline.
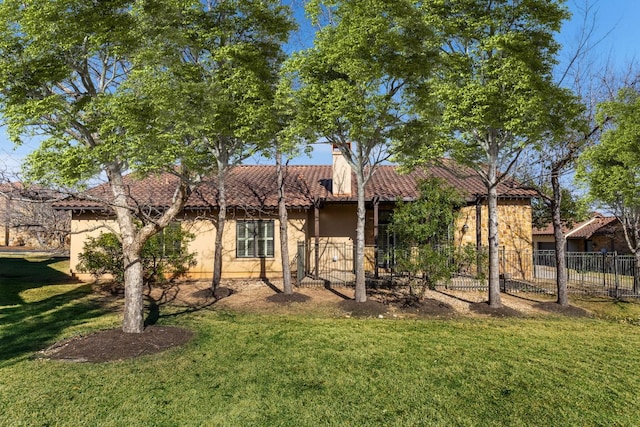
(165, 257)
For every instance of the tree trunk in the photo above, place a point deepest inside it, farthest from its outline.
(283, 217)
(560, 242)
(494, 247)
(133, 321)
(222, 216)
(361, 290)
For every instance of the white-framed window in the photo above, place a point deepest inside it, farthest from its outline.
(254, 239)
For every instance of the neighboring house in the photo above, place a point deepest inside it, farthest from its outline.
(598, 233)
(27, 218)
(321, 204)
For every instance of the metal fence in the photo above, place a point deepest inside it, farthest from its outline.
(607, 274)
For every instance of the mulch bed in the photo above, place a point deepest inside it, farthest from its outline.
(220, 292)
(427, 307)
(282, 298)
(569, 310)
(484, 308)
(113, 344)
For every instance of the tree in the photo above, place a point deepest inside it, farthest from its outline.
(112, 87)
(223, 64)
(424, 227)
(495, 90)
(353, 86)
(611, 169)
(65, 70)
(165, 257)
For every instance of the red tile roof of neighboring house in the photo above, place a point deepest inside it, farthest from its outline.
(582, 230)
(595, 226)
(254, 186)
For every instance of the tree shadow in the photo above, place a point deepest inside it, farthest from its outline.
(26, 327)
(167, 296)
(30, 327)
(20, 274)
(328, 287)
(456, 297)
(273, 287)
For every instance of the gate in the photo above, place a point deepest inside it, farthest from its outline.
(331, 262)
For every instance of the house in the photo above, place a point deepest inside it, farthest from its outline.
(27, 218)
(596, 234)
(321, 201)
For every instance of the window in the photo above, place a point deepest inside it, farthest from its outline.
(254, 239)
(168, 242)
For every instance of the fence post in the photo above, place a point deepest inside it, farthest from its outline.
(604, 269)
(301, 262)
(615, 274)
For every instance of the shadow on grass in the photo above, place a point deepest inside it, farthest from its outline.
(20, 274)
(26, 327)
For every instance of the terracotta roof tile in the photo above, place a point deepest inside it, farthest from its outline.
(595, 225)
(254, 186)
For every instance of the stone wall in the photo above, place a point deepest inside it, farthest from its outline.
(514, 233)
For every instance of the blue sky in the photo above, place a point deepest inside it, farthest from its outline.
(617, 31)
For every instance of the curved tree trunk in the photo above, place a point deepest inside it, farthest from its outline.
(284, 219)
(361, 290)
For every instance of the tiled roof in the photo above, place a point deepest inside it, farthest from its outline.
(548, 230)
(597, 224)
(254, 186)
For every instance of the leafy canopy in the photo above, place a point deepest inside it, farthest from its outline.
(612, 168)
(353, 83)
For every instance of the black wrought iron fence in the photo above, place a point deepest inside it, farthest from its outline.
(609, 274)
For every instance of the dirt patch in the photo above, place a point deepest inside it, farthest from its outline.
(113, 344)
(569, 310)
(282, 298)
(428, 307)
(369, 308)
(485, 309)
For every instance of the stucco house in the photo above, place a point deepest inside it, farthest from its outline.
(321, 202)
(596, 234)
(28, 220)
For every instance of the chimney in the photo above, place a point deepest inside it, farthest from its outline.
(341, 173)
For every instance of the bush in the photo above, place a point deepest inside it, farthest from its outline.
(165, 257)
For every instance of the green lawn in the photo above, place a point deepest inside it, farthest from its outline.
(268, 370)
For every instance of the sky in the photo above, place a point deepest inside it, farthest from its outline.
(615, 40)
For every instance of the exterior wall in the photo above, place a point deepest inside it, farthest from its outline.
(82, 227)
(514, 233)
(245, 268)
(338, 221)
(87, 225)
(514, 225)
(612, 243)
(337, 227)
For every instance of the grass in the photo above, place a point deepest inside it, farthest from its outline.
(246, 369)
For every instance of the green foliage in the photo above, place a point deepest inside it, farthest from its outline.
(221, 61)
(494, 83)
(572, 209)
(165, 257)
(424, 226)
(354, 84)
(612, 168)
